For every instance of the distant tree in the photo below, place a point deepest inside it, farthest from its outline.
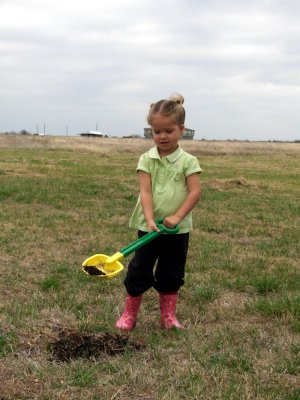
(24, 132)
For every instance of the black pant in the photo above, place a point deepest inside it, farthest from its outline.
(170, 252)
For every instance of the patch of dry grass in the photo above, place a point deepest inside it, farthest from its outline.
(137, 146)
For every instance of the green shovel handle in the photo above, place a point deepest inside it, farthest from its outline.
(149, 237)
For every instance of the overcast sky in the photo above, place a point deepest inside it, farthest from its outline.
(78, 63)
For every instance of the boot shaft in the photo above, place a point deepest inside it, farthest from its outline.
(132, 304)
(168, 302)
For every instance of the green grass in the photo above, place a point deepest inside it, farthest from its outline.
(240, 303)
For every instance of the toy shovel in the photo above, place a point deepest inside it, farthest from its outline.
(104, 266)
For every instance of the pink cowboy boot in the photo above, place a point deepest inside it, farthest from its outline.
(128, 319)
(167, 302)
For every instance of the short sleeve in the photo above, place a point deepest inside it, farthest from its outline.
(144, 163)
(192, 166)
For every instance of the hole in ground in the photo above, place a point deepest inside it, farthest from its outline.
(72, 345)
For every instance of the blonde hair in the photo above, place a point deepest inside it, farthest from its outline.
(170, 107)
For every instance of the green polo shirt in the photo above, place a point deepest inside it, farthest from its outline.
(169, 188)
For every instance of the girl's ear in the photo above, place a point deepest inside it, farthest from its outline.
(182, 129)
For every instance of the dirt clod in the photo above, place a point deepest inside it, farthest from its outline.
(92, 270)
(72, 345)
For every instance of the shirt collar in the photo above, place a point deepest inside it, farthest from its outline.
(153, 153)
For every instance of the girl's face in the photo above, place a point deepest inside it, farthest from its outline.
(166, 133)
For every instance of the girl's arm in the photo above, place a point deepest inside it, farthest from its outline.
(145, 186)
(194, 193)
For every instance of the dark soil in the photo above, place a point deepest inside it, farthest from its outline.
(92, 270)
(72, 345)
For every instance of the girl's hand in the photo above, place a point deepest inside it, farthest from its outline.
(152, 226)
(171, 221)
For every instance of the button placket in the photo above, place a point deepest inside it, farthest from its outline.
(161, 176)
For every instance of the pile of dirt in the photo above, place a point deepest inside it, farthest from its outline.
(235, 183)
(72, 345)
(227, 183)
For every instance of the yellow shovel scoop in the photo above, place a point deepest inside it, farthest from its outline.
(103, 266)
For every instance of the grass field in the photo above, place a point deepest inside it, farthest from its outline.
(64, 199)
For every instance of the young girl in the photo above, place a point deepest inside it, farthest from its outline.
(169, 189)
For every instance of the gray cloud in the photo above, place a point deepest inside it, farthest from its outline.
(75, 63)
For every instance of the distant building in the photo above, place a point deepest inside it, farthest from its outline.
(188, 133)
(132, 137)
(92, 134)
